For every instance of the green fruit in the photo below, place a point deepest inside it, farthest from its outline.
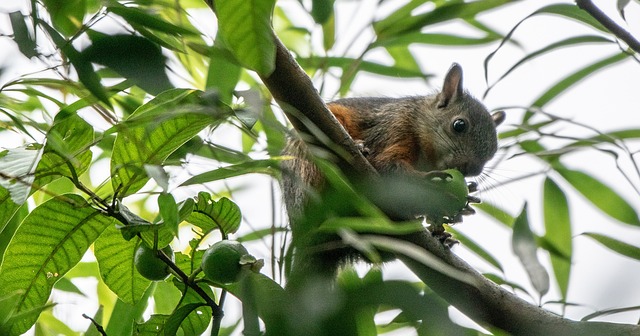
(149, 265)
(457, 186)
(221, 261)
(453, 191)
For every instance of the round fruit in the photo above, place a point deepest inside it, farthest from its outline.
(149, 265)
(221, 261)
(454, 192)
(458, 186)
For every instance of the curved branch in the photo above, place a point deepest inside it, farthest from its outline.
(486, 303)
(294, 92)
(614, 28)
(490, 305)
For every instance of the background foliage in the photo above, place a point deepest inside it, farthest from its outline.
(129, 122)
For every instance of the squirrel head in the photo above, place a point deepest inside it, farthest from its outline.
(466, 135)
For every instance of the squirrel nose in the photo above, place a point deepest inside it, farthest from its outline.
(470, 168)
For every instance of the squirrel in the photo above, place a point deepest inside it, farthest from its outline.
(408, 136)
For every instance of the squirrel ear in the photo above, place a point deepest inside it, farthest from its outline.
(452, 86)
(498, 117)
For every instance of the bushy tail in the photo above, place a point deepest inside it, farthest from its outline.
(299, 177)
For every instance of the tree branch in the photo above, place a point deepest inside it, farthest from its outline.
(614, 28)
(490, 305)
(486, 303)
(294, 92)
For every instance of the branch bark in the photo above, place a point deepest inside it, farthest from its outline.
(614, 28)
(294, 92)
(487, 303)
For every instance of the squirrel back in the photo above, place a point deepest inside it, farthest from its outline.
(408, 135)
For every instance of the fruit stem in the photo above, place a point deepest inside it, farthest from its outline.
(216, 310)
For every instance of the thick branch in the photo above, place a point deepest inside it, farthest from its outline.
(293, 90)
(491, 305)
(487, 303)
(621, 33)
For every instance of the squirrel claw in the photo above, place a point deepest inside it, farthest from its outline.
(449, 242)
(445, 238)
(472, 186)
(362, 148)
(473, 199)
(467, 210)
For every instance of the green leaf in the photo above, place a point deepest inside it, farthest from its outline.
(52, 239)
(169, 212)
(615, 245)
(567, 10)
(572, 11)
(137, 16)
(434, 39)
(392, 27)
(154, 131)
(198, 314)
(14, 217)
(568, 42)
(124, 315)
(210, 215)
(524, 246)
(353, 64)
(606, 312)
(48, 324)
(566, 83)
(166, 296)
(475, 248)
(117, 269)
(266, 166)
(223, 73)
(67, 16)
(329, 32)
(496, 212)
(265, 294)
(601, 195)
(86, 74)
(28, 315)
(65, 285)
(67, 150)
(152, 327)
(557, 223)
(609, 137)
(398, 16)
(22, 37)
(415, 306)
(321, 10)
(133, 57)
(260, 234)
(246, 29)
(7, 307)
(378, 225)
(175, 320)
(19, 164)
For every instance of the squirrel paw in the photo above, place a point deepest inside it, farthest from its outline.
(445, 238)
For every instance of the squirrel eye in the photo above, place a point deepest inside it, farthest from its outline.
(459, 125)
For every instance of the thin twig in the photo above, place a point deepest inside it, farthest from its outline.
(96, 324)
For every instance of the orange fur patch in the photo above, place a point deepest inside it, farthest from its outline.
(345, 117)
